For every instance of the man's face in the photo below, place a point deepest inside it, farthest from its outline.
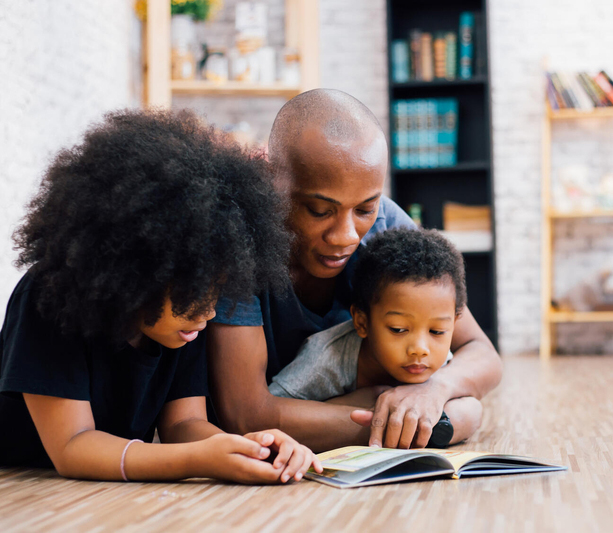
(335, 189)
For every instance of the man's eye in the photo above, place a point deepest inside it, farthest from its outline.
(365, 213)
(316, 213)
(397, 330)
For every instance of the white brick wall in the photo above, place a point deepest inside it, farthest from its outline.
(574, 36)
(62, 64)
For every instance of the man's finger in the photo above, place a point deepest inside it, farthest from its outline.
(395, 423)
(361, 417)
(423, 434)
(378, 423)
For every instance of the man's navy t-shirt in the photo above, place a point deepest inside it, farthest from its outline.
(126, 388)
(287, 322)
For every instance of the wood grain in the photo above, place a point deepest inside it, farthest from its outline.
(560, 410)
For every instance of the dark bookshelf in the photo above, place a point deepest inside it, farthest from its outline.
(470, 180)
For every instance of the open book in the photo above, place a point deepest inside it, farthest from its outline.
(358, 466)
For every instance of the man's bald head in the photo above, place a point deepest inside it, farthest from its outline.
(338, 117)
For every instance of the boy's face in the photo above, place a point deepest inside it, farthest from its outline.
(335, 189)
(175, 331)
(410, 328)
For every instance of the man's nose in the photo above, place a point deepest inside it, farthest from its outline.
(343, 233)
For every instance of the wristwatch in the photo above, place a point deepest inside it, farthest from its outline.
(442, 433)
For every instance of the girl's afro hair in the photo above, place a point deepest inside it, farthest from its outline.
(152, 204)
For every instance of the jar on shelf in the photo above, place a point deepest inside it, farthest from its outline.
(183, 36)
(290, 71)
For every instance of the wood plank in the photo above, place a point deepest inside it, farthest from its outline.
(596, 213)
(231, 88)
(561, 411)
(157, 54)
(547, 331)
(575, 114)
(581, 316)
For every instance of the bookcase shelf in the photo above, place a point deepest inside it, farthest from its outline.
(463, 166)
(416, 84)
(549, 315)
(470, 180)
(231, 88)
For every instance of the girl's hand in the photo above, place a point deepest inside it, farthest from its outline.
(292, 459)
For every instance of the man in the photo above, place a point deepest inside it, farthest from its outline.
(329, 157)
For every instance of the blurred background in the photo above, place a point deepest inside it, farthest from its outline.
(499, 115)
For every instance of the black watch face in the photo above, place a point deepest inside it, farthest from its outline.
(442, 434)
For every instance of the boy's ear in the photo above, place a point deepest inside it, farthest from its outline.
(360, 321)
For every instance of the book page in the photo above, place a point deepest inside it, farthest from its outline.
(354, 458)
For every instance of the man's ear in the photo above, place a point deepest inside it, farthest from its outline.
(360, 321)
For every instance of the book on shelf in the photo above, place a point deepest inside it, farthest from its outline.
(580, 91)
(400, 61)
(461, 217)
(438, 55)
(424, 133)
(359, 466)
(466, 33)
(470, 240)
(439, 47)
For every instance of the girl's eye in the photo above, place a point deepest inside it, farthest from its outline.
(397, 330)
(437, 332)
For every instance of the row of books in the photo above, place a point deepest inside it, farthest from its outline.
(425, 133)
(581, 91)
(425, 56)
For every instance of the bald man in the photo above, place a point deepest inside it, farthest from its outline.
(329, 156)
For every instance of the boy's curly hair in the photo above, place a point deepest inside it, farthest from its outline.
(402, 254)
(151, 204)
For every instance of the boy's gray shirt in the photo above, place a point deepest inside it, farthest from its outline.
(326, 366)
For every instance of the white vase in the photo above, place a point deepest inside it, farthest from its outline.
(182, 32)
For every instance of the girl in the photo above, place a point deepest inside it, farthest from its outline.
(131, 239)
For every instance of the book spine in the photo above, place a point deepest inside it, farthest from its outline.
(412, 135)
(431, 126)
(451, 55)
(400, 61)
(480, 45)
(583, 100)
(422, 134)
(439, 55)
(603, 82)
(557, 83)
(466, 33)
(604, 101)
(415, 56)
(581, 78)
(427, 66)
(555, 100)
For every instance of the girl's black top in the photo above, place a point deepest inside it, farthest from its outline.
(125, 387)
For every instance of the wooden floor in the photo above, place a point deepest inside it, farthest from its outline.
(561, 411)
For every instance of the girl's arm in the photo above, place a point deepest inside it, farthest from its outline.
(78, 450)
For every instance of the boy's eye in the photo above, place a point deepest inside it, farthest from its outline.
(397, 330)
(437, 332)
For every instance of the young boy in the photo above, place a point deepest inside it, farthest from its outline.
(408, 290)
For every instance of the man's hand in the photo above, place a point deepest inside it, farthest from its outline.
(404, 416)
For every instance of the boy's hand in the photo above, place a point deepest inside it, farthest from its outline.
(292, 458)
(404, 416)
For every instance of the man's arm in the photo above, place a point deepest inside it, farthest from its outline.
(404, 416)
(238, 359)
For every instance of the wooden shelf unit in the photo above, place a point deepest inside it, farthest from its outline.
(470, 181)
(301, 33)
(549, 315)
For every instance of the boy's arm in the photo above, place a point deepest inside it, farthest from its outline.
(67, 431)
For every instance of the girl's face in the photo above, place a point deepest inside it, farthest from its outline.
(175, 331)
